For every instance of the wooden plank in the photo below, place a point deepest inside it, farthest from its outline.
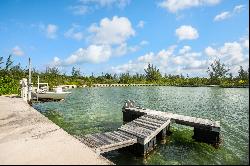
(137, 129)
(140, 127)
(124, 134)
(145, 125)
(160, 118)
(112, 137)
(117, 145)
(116, 136)
(97, 141)
(156, 132)
(147, 122)
(105, 138)
(133, 132)
(90, 143)
(152, 120)
(89, 136)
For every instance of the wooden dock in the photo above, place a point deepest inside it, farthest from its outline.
(142, 130)
(144, 126)
(179, 119)
(122, 85)
(205, 130)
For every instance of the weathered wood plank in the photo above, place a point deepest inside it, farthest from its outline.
(156, 132)
(152, 120)
(152, 116)
(137, 129)
(145, 125)
(116, 136)
(140, 127)
(105, 138)
(98, 139)
(125, 135)
(115, 139)
(118, 145)
(147, 122)
(98, 142)
(133, 132)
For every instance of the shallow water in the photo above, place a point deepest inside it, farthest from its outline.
(91, 110)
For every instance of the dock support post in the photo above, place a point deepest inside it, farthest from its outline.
(207, 136)
(140, 149)
(164, 133)
(129, 114)
(29, 83)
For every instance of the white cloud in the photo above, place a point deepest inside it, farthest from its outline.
(227, 14)
(86, 6)
(140, 24)
(73, 34)
(166, 61)
(106, 3)
(50, 30)
(123, 3)
(108, 39)
(174, 6)
(124, 49)
(210, 51)
(144, 42)
(245, 43)
(115, 31)
(184, 50)
(56, 62)
(232, 54)
(186, 32)
(79, 9)
(17, 51)
(92, 54)
(222, 16)
(238, 8)
(95, 54)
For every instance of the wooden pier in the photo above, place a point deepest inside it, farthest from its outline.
(141, 131)
(142, 127)
(122, 85)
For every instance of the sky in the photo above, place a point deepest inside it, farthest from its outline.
(117, 36)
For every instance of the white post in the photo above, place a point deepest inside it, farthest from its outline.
(29, 84)
(24, 89)
(38, 82)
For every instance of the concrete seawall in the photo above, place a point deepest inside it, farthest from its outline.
(28, 137)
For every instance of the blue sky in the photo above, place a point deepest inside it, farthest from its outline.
(125, 35)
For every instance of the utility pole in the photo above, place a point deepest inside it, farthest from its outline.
(30, 84)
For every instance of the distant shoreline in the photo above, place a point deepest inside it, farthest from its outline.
(124, 85)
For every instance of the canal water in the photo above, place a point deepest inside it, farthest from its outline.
(92, 110)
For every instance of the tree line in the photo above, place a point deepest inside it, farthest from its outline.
(218, 74)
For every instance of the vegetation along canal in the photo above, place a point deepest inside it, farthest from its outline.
(92, 110)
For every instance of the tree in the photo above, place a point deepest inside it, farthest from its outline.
(75, 72)
(152, 73)
(53, 71)
(1, 61)
(243, 75)
(9, 63)
(216, 71)
(125, 78)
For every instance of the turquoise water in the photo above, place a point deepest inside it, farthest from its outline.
(91, 110)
